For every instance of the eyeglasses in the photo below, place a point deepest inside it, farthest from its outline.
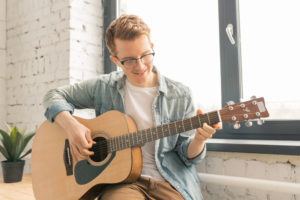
(132, 62)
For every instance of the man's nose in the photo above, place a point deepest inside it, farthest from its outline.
(139, 64)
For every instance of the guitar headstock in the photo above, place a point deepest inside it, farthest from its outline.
(244, 111)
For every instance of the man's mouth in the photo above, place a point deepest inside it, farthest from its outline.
(140, 73)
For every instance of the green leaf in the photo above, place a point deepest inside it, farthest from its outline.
(4, 152)
(6, 142)
(18, 140)
(28, 152)
(26, 139)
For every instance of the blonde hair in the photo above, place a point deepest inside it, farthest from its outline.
(126, 27)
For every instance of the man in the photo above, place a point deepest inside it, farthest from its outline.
(151, 99)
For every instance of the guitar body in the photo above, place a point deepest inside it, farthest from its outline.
(49, 174)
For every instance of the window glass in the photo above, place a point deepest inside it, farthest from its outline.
(186, 41)
(270, 45)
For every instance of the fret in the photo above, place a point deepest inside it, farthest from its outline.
(214, 117)
(208, 118)
(159, 131)
(121, 141)
(199, 120)
(117, 144)
(183, 127)
(179, 126)
(127, 144)
(196, 121)
(165, 130)
(149, 135)
(135, 139)
(191, 121)
(144, 137)
(153, 134)
(203, 119)
(172, 128)
(187, 124)
(112, 144)
(130, 140)
(124, 141)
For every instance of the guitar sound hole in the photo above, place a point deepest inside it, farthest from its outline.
(99, 149)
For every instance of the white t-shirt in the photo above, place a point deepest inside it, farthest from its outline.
(138, 105)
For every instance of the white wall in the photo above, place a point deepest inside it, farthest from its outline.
(49, 43)
(261, 166)
(2, 63)
(2, 66)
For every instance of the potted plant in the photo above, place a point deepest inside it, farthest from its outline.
(13, 145)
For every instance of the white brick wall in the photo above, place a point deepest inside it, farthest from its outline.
(49, 43)
(86, 40)
(261, 166)
(2, 68)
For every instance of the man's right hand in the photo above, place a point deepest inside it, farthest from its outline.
(79, 136)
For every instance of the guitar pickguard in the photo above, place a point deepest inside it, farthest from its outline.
(85, 172)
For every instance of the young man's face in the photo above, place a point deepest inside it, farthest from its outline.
(139, 72)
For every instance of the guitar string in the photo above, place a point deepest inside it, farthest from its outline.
(124, 143)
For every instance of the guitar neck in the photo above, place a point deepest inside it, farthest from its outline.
(147, 135)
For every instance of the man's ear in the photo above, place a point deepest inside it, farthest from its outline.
(115, 60)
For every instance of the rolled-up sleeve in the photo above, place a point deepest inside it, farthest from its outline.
(70, 97)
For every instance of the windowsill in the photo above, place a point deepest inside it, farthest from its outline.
(255, 142)
(254, 146)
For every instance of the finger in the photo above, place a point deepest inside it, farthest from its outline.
(208, 128)
(204, 133)
(86, 141)
(199, 112)
(89, 139)
(217, 126)
(76, 153)
(86, 152)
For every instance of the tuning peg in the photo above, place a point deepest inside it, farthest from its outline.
(236, 125)
(248, 123)
(229, 103)
(253, 97)
(260, 122)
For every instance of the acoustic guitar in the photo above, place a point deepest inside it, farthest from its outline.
(117, 158)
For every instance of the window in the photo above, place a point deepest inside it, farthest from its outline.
(190, 41)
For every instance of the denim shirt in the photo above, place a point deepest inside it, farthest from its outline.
(173, 102)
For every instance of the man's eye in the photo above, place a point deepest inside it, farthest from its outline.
(130, 61)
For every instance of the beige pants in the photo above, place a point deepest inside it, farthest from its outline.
(144, 188)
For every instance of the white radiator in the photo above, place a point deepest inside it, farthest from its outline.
(276, 186)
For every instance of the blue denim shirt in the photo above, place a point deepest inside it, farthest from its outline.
(173, 102)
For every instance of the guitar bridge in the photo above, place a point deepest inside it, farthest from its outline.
(68, 158)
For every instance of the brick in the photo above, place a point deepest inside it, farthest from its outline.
(256, 169)
(280, 172)
(2, 10)
(215, 165)
(2, 34)
(2, 64)
(235, 167)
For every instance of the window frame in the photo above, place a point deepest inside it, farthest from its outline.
(231, 80)
(231, 90)
(110, 13)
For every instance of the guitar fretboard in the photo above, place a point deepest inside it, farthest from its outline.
(147, 135)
